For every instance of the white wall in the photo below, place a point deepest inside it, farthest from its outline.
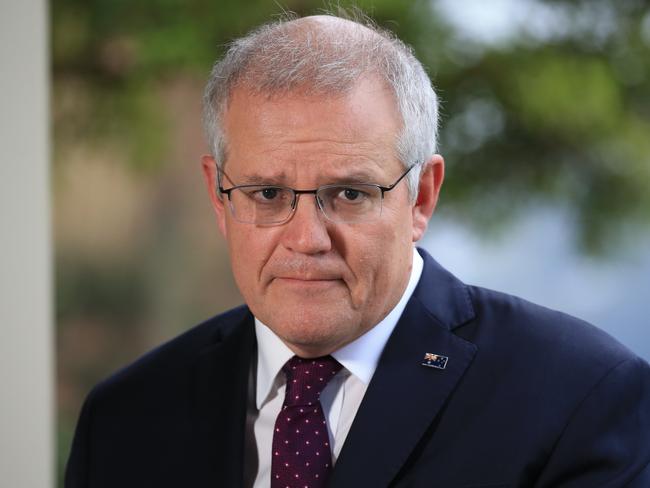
(26, 358)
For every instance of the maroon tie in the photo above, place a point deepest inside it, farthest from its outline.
(301, 448)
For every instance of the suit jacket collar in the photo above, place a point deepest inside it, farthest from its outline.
(405, 397)
(444, 296)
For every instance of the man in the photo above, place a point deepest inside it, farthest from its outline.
(357, 360)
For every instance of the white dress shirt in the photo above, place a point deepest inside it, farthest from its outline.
(340, 399)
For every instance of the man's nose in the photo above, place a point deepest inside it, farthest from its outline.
(307, 229)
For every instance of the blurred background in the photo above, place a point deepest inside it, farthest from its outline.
(545, 130)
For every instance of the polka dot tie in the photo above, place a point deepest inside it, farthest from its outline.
(301, 449)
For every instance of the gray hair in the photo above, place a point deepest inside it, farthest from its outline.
(326, 55)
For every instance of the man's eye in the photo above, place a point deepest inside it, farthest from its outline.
(349, 194)
(266, 194)
(269, 193)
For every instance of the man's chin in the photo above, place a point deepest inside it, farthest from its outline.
(313, 330)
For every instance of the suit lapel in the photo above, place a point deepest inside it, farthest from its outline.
(219, 402)
(405, 397)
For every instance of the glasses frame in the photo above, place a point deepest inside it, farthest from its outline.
(295, 193)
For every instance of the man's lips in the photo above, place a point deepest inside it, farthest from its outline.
(305, 273)
(307, 279)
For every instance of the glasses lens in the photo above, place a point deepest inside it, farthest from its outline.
(253, 204)
(350, 203)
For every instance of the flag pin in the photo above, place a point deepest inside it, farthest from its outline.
(435, 361)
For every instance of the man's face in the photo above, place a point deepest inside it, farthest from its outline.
(318, 284)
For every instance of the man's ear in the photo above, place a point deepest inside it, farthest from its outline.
(431, 177)
(209, 166)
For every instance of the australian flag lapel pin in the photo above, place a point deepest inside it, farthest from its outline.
(435, 360)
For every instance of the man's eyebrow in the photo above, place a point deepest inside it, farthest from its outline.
(355, 177)
(253, 179)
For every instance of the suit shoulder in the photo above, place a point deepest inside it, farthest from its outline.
(514, 334)
(170, 362)
(541, 334)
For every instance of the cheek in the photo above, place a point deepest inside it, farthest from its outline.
(391, 251)
(248, 252)
(372, 255)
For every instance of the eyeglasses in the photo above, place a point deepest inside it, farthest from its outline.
(274, 204)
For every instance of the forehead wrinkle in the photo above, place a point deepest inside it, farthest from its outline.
(258, 179)
(352, 132)
(335, 163)
(336, 149)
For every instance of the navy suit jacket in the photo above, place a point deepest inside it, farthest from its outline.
(529, 397)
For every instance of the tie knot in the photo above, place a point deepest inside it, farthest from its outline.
(306, 378)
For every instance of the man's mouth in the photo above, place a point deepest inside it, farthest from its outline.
(306, 278)
(307, 281)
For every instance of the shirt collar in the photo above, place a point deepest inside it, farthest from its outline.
(359, 357)
(272, 354)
